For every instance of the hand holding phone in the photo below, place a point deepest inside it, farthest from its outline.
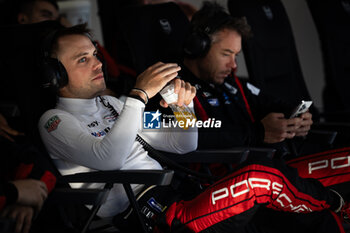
(301, 108)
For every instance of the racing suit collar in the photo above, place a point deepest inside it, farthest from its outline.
(78, 105)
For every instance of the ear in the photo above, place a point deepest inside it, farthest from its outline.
(22, 18)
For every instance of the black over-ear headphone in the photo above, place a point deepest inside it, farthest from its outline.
(197, 44)
(54, 73)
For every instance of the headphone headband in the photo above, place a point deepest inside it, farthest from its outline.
(198, 42)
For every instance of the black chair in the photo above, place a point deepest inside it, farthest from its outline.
(108, 12)
(148, 33)
(270, 54)
(21, 79)
(332, 20)
(65, 208)
(273, 64)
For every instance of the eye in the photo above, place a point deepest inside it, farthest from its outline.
(81, 60)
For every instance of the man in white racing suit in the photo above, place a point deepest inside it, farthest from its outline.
(84, 133)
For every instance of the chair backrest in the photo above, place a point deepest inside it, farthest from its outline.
(108, 12)
(332, 19)
(20, 77)
(270, 53)
(151, 33)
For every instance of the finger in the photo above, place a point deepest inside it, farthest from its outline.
(294, 121)
(181, 94)
(163, 104)
(19, 223)
(306, 115)
(303, 134)
(292, 128)
(43, 186)
(189, 95)
(166, 69)
(193, 92)
(170, 70)
(307, 122)
(303, 129)
(169, 77)
(11, 131)
(177, 85)
(289, 135)
(27, 223)
(158, 68)
(3, 134)
(277, 115)
(155, 66)
(187, 91)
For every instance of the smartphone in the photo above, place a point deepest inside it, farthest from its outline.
(301, 108)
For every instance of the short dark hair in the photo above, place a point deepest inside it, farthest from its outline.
(52, 38)
(26, 6)
(212, 17)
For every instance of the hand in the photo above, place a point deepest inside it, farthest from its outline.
(185, 92)
(6, 130)
(277, 128)
(305, 125)
(31, 192)
(155, 77)
(23, 216)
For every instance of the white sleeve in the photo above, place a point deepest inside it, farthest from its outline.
(71, 141)
(175, 140)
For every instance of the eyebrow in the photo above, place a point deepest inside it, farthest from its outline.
(230, 51)
(81, 54)
(46, 12)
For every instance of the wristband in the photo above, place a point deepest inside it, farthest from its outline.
(142, 91)
(138, 98)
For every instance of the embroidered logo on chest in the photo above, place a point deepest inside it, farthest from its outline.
(101, 133)
(93, 124)
(110, 117)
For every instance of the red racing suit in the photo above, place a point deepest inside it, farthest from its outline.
(230, 203)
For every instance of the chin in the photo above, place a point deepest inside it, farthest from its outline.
(219, 81)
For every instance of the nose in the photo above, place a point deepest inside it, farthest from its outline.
(232, 63)
(97, 64)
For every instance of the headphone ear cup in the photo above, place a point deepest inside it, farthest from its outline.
(197, 45)
(63, 75)
(54, 73)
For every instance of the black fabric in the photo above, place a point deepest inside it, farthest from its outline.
(332, 20)
(21, 79)
(269, 221)
(14, 154)
(9, 192)
(152, 33)
(271, 54)
(154, 203)
(113, 41)
(237, 128)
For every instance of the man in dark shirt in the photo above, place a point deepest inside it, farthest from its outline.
(249, 116)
